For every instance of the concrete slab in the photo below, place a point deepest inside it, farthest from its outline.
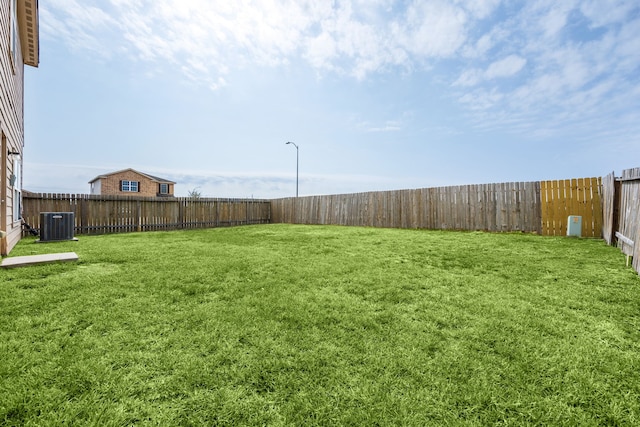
(23, 261)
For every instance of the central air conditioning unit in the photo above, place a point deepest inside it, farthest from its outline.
(56, 226)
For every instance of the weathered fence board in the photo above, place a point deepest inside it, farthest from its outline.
(609, 207)
(117, 214)
(561, 198)
(629, 222)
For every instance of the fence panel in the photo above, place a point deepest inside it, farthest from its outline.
(609, 208)
(629, 222)
(511, 206)
(95, 214)
(561, 198)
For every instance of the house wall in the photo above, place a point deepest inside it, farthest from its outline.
(110, 185)
(96, 187)
(11, 125)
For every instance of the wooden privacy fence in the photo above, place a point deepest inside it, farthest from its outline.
(95, 214)
(621, 224)
(561, 198)
(540, 207)
(493, 207)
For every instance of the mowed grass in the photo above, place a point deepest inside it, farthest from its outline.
(319, 325)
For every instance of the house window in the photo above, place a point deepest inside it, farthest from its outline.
(164, 188)
(129, 186)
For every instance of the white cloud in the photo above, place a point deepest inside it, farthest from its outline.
(480, 8)
(505, 67)
(469, 78)
(571, 82)
(604, 12)
(321, 50)
(353, 37)
(434, 29)
(554, 21)
(627, 46)
(481, 47)
(481, 52)
(81, 26)
(481, 100)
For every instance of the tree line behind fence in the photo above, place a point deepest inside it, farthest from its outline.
(609, 207)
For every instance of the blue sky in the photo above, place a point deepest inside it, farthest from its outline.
(378, 94)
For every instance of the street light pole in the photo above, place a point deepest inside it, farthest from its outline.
(297, 164)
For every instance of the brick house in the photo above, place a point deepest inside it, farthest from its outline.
(19, 46)
(130, 182)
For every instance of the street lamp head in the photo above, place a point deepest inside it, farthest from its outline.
(293, 143)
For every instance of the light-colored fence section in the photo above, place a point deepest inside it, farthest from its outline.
(511, 206)
(96, 214)
(562, 198)
(629, 222)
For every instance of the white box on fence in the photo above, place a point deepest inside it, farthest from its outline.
(574, 226)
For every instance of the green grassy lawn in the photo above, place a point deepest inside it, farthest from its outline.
(313, 325)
